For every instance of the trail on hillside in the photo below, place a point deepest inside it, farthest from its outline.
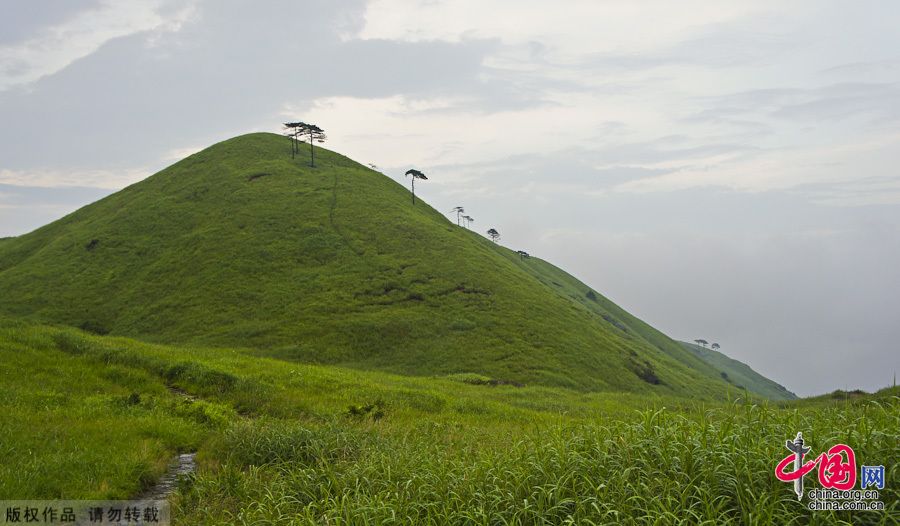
(331, 218)
(181, 466)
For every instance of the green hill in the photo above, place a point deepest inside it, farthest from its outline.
(740, 374)
(240, 245)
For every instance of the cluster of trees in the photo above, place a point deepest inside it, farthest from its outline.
(461, 219)
(703, 343)
(466, 220)
(299, 132)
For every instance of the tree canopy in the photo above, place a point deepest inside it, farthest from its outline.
(300, 131)
(415, 174)
(459, 210)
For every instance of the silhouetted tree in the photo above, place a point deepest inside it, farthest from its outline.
(522, 254)
(292, 131)
(415, 174)
(459, 210)
(469, 220)
(315, 134)
(494, 235)
(715, 346)
(704, 343)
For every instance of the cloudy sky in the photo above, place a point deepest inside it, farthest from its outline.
(724, 170)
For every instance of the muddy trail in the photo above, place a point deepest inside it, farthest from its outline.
(183, 465)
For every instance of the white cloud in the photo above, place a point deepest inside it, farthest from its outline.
(400, 130)
(585, 26)
(56, 47)
(652, 66)
(860, 193)
(873, 158)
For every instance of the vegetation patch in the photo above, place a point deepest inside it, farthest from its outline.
(197, 374)
(270, 441)
(94, 327)
(644, 370)
(373, 410)
(478, 379)
(614, 322)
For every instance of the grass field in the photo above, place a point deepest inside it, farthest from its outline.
(280, 442)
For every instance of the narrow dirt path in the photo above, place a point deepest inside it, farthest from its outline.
(183, 465)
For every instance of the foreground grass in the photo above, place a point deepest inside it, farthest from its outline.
(75, 428)
(281, 442)
(659, 467)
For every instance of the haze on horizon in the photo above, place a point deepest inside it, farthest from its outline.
(726, 171)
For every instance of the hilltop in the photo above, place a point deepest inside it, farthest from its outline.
(241, 245)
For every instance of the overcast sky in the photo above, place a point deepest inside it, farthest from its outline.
(723, 170)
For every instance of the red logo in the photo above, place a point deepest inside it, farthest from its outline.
(837, 468)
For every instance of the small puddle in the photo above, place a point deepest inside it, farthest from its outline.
(182, 466)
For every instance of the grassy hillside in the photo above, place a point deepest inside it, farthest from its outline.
(706, 361)
(740, 374)
(240, 245)
(69, 399)
(86, 416)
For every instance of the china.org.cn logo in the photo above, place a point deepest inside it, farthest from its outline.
(837, 477)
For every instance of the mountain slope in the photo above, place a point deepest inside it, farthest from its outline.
(740, 374)
(241, 245)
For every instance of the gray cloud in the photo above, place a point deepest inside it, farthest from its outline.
(876, 102)
(207, 83)
(25, 19)
(24, 208)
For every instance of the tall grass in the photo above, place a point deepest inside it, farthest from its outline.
(712, 466)
(96, 417)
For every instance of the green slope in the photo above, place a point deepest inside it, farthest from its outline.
(240, 245)
(740, 374)
(92, 417)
